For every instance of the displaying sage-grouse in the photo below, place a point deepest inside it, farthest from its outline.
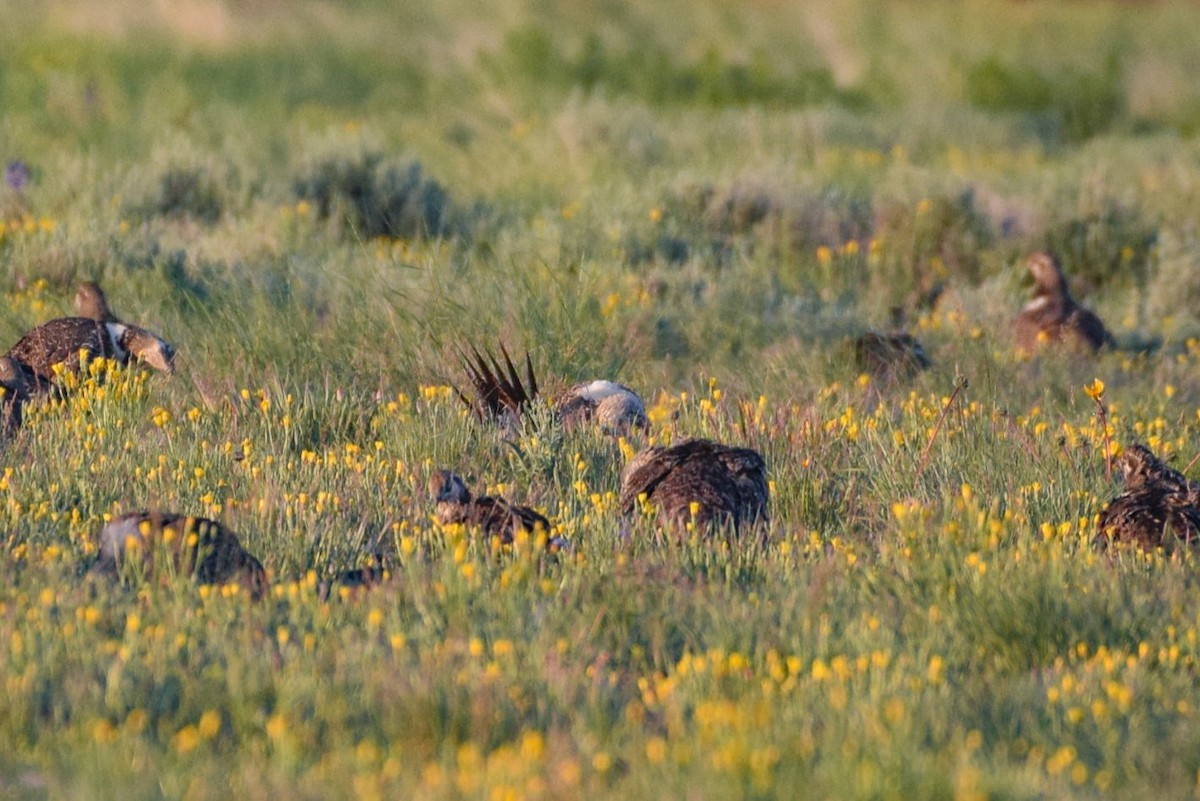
(1053, 316)
(15, 383)
(501, 393)
(194, 546)
(90, 302)
(698, 480)
(495, 517)
(1158, 507)
(61, 341)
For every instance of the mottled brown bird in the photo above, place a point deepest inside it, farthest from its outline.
(495, 517)
(1053, 316)
(61, 341)
(1138, 467)
(889, 355)
(90, 302)
(700, 480)
(500, 392)
(193, 546)
(1157, 508)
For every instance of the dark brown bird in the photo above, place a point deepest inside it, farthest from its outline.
(90, 302)
(194, 546)
(61, 341)
(889, 355)
(356, 579)
(16, 388)
(496, 517)
(1053, 316)
(1157, 508)
(700, 480)
(501, 393)
(893, 354)
(1139, 466)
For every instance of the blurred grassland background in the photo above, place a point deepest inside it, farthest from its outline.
(316, 201)
(601, 149)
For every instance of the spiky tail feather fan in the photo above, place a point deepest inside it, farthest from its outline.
(498, 387)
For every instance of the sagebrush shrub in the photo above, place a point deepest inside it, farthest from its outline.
(374, 196)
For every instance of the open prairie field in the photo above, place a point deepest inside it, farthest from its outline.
(320, 204)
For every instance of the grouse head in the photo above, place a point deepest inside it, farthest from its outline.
(622, 413)
(144, 346)
(449, 488)
(1138, 466)
(12, 376)
(1047, 275)
(91, 303)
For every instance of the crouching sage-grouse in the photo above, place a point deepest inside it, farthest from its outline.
(495, 517)
(1159, 506)
(891, 354)
(501, 393)
(61, 341)
(1053, 316)
(698, 481)
(139, 543)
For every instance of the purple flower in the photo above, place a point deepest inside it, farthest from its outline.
(16, 175)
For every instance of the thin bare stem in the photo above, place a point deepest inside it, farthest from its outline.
(1102, 414)
(960, 384)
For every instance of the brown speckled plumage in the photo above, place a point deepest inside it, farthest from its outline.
(61, 341)
(495, 517)
(1157, 508)
(197, 546)
(1138, 467)
(728, 484)
(1053, 316)
(501, 392)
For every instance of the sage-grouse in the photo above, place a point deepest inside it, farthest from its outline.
(61, 341)
(495, 517)
(136, 543)
(1158, 506)
(1053, 316)
(501, 393)
(698, 480)
(890, 354)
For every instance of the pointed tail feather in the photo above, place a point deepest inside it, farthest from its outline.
(498, 387)
(533, 386)
(525, 394)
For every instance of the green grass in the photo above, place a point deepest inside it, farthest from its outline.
(316, 204)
